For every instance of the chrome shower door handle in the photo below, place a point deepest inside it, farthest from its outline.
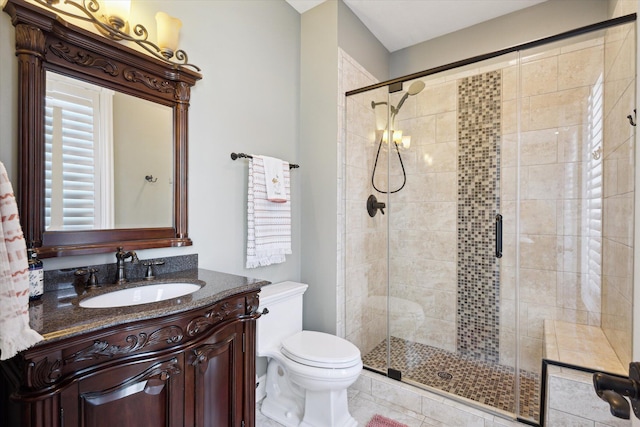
(498, 236)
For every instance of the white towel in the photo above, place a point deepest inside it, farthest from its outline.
(268, 224)
(15, 333)
(274, 170)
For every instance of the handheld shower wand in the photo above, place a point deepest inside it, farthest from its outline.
(415, 88)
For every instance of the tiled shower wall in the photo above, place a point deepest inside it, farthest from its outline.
(362, 238)
(478, 293)
(618, 154)
(561, 128)
(560, 193)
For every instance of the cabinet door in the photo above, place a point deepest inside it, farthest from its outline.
(215, 373)
(136, 393)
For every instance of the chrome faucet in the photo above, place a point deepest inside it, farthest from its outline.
(121, 256)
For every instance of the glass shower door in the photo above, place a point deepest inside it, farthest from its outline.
(366, 260)
(448, 327)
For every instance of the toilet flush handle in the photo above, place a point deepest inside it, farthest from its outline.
(264, 311)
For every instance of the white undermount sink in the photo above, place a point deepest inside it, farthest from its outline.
(140, 295)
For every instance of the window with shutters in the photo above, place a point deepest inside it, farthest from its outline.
(592, 169)
(78, 147)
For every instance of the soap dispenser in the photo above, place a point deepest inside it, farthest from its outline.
(36, 275)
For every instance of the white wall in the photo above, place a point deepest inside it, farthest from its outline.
(356, 39)
(8, 97)
(144, 132)
(247, 101)
(318, 152)
(323, 29)
(542, 20)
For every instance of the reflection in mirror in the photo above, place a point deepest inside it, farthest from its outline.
(108, 158)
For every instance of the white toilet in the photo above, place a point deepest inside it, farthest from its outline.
(308, 372)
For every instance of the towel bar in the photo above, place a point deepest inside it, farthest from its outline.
(235, 156)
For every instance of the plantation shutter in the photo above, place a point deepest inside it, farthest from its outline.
(591, 285)
(75, 135)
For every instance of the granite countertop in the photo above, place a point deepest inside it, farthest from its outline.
(57, 314)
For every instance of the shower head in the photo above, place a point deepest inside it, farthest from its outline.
(415, 88)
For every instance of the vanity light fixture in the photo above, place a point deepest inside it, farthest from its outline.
(111, 20)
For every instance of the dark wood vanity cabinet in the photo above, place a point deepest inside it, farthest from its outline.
(195, 368)
(214, 376)
(137, 393)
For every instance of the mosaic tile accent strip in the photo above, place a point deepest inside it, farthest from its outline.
(484, 382)
(479, 129)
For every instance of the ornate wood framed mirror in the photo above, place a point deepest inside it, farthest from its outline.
(50, 49)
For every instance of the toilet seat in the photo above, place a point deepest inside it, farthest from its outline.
(320, 350)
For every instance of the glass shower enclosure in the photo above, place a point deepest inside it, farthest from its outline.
(486, 204)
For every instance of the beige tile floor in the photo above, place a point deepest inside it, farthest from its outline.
(363, 407)
(364, 404)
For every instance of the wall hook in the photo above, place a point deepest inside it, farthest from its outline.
(150, 178)
(598, 153)
(632, 119)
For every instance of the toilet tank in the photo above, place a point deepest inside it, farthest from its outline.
(284, 302)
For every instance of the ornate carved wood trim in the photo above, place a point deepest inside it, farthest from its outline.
(149, 81)
(183, 92)
(100, 349)
(29, 40)
(43, 373)
(83, 58)
(30, 49)
(219, 313)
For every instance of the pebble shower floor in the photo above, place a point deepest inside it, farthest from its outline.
(488, 383)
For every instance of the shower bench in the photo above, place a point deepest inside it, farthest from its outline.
(570, 396)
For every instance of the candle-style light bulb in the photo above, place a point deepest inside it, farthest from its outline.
(168, 33)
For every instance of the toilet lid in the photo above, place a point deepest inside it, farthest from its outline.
(320, 350)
